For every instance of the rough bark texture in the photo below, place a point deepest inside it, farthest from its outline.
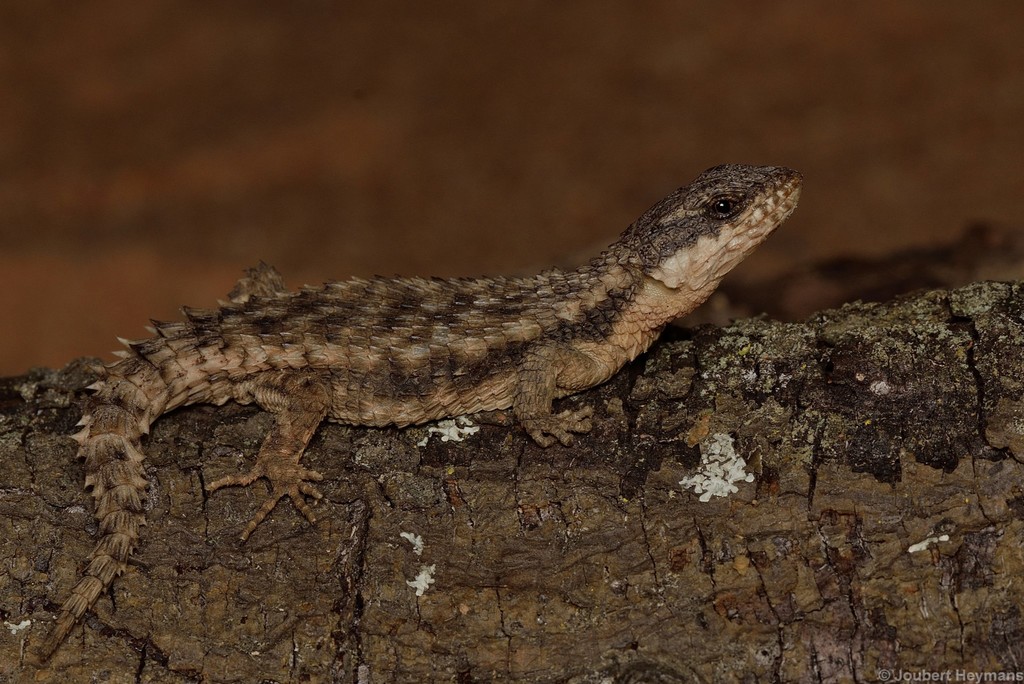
(883, 530)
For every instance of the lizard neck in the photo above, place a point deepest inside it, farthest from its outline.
(616, 311)
(659, 304)
(646, 303)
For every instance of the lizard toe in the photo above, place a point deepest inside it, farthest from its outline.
(564, 437)
(296, 494)
(540, 436)
(243, 480)
(546, 430)
(261, 514)
(576, 421)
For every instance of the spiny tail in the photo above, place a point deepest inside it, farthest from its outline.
(125, 403)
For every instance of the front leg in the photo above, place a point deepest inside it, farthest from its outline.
(548, 371)
(299, 401)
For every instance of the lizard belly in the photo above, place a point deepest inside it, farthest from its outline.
(362, 404)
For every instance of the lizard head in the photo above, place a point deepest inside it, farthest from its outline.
(693, 237)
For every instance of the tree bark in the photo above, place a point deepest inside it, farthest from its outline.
(881, 532)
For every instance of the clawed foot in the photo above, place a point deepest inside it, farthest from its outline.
(546, 429)
(287, 479)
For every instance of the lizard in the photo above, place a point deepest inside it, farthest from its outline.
(402, 351)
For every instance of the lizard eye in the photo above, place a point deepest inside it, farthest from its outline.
(722, 207)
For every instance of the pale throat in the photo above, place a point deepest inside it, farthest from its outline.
(643, 319)
(679, 285)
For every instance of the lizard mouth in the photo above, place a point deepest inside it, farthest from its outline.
(765, 216)
(787, 197)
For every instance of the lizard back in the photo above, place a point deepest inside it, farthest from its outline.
(395, 350)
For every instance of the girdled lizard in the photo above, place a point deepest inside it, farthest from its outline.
(400, 351)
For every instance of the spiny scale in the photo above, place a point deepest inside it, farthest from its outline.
(408, 350)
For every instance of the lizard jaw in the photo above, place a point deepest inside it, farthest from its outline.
(700, 266)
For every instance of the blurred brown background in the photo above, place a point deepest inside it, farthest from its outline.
(150, 151)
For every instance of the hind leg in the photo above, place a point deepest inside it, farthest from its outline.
(299, 402)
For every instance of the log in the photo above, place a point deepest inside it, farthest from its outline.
(851, 505)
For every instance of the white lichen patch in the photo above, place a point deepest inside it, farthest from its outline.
(423, 580)
(922, 545)
(720, 468)
(15, 628)
(452, 430)
(416, 541)
(880, 387)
